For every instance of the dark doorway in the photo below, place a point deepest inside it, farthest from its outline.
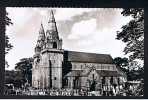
(93, 86)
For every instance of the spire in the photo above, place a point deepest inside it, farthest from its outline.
(52, 28)
(41, 33)
(41, 38)
(41, 28)
(51, 16)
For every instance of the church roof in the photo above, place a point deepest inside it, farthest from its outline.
(74, 56)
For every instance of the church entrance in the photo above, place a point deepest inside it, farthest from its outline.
(93, 83)
(92, 80)
(93, 86)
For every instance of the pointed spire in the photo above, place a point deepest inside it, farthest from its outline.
(51, 16)
(52, 28)
(41, 33)
(41, 39)
(41, 28)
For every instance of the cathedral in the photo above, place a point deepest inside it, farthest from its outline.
(54, 67)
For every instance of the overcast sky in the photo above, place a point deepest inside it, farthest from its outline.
(82, 29)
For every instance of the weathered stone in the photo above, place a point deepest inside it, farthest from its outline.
(55, 68)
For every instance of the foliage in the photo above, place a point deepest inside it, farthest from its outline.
(132, 69)
(25, 67)
(137, 89)
(14, 77)
(136, 74)
(133, 33)
(8, 45)
(21, 74)
(121, 62)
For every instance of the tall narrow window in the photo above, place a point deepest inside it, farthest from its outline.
(55, 78)
(93, 76)
(54, 45)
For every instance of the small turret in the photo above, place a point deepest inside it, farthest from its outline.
(41, 40)
(41, 33)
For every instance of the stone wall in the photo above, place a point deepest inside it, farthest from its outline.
(81, 66)
(89, 72)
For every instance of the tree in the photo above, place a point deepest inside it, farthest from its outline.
(8, 45)
(21, 74)
(133, 33)
(14, 77)
(121, 62)
(132, 69)
(25, 67)
(136, 74)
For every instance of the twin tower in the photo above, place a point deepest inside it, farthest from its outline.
(48, 58)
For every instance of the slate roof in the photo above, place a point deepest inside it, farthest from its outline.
(74, 56)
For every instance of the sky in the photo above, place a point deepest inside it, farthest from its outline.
(81, 29)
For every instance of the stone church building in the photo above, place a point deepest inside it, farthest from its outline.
(53, 67)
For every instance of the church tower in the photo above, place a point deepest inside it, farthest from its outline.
(37, 56)
(48, 58)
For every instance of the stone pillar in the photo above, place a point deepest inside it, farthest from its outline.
(71, 83)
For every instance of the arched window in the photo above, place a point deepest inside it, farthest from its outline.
(93, 76)
(54, 45)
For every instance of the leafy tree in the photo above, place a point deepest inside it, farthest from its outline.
(21, 74)
(133, 33)
(136, 74)
(14, 77)
(133, 72)
(134, 65)
(25, 67)
(132, 69)
(121, 62)
(8, 45)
